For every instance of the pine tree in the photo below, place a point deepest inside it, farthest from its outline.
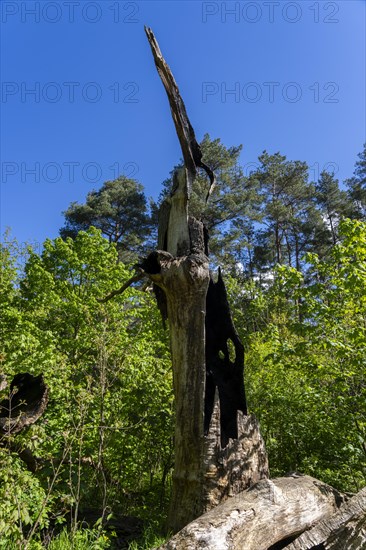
(333, 204)
(357, 186)
(287, 210)
(119, 210)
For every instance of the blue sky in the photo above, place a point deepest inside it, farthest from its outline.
(276, 75)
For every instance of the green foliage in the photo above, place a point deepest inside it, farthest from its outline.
(149, 540)
(82, 539)
(118, 209)
(305, 365)
(357, 186)
(105, 437)
(334, 205)
(288, 214)
(21, 500)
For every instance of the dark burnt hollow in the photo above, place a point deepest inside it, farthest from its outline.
(222, 372)
(29, 397)
(151, 263)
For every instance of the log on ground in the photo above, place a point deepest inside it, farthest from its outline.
(346, 529)
(259, 518)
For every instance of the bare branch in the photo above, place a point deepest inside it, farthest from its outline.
(124, 287)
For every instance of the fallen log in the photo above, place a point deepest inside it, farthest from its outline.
(345, 529)
(260, 517)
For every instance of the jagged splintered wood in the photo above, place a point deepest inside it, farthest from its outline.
(218, 450)
(191, 150)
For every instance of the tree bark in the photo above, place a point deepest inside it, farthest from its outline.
(207, 355)
(346, 529)
(184, 281)
(232, 469)
(260, 517)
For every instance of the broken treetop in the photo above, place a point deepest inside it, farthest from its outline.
(191, 150)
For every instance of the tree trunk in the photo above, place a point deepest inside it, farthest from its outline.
(207, 355)
(184, 280)
(186, 295)
(260, 517)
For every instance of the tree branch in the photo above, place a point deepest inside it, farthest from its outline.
(124, 287)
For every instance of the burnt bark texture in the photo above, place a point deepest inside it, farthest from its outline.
(263, 517)
(230, 470)
(223, 371)
(213, 454)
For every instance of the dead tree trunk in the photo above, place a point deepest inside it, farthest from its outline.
(207, 355)
(184, 281)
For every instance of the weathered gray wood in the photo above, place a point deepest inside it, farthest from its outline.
(180, 273)
(344, 530)
(268, 512)
(185, 280)
(177, 237)
(191, 150)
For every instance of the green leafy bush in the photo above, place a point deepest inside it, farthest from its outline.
(22, 501)
(305, 365)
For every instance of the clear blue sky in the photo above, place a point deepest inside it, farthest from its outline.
(296, 70)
